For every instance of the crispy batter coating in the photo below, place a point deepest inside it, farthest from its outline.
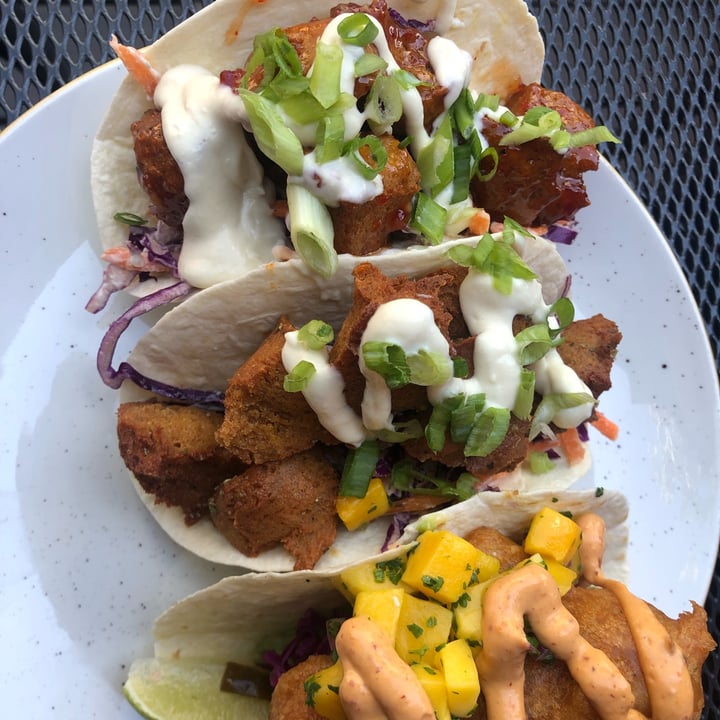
(552, 694)
(262, 421)
(288, 698)
(289, 502)
(534, 184)
(158, 172)
(493, 542)
(172, 451)
(361, 229)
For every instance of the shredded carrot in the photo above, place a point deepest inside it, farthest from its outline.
(572, 446)
(479, 223)
(137, 65)
(604, 425)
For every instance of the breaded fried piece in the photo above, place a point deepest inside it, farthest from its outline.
(361, 229)
(172, 451)
(289, 502)
(158, 172)
(262, 421)
(493, 542)
(552, 694)
(534, 184)
(288, 698)
(589, 347)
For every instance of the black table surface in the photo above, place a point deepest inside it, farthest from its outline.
(648, 67)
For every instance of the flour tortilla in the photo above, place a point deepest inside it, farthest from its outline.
(501, 35)
(240, 616)
(200, 343)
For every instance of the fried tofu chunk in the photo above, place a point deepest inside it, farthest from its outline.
(263, 422)
(172, 451)
(288, 700)
(289, 502)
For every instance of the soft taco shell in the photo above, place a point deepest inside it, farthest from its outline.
(501, 35)
(201, 343)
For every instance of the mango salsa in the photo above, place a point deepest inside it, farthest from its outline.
(381, 606)
(423, 627)
(372, 576)
(322, 690)
(461, 677)
(356, 512)
(553, 535)
(433, 683)
(443, 566)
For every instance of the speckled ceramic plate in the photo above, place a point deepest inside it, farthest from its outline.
(85, 569)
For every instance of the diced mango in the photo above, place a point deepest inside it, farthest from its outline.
(423, 627)
(553, 535)
(468, 613)
(461, 677)
(322, 692)
(381, 606)
(433, 683)
(372, 576)
(565, 577)
(444, 565)
(356, 512)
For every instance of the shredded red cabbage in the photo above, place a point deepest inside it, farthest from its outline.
(562, 234)
(162, 243)
(114, 378)
(311, 638)
(397, 526)
(114, 278)
(420, 25)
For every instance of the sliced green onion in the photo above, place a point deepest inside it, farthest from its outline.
(376, 150)
(525, 394)
(383, 105)
(490, 153)
(463, 418)
(462, 159)
(510, 227)
(273, 137)
(358, 469)
(541, 115)
(405, 142)
(325, 78)
(410, 430)
(387, 360)
(368, 64)
(357, 29)
(429, 368)
(591, 136)
(488, 432)
(406, 476)
(299, 377)
(311, 230)
(276, 54)
(435, 161)
(533, 343)
(460, 367)
(439, 422)
(128, 218)
(304, 108)
(559, 316)
(540, 463)
(316, 334)
(489, 102)
(551, 404)
(330, 138)
(407, 80)
(509, 119)
(428, 218)
(463, 114)
(284, 87)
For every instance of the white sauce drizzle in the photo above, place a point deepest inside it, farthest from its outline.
(325, 391)
(228, 228)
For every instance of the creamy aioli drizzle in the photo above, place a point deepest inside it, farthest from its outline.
(377, 684)
(228, 228)
(325, 391)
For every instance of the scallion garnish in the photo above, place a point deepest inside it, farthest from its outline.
(551, 404)
(428, 218)
(435, 161)
(533, 343)
(406, 476)
(489, 153)
(358, 469)
(357, 29)
(559, 316)
(311, 230)
(128, 218)
(325, 77)
(540, 463)
(273, 137)
(525, 394)
(383, 105)
(387, 360)
(372, 145)
(463, 417)
(407, 80)
(460, 367)
(439, 422)
(488, 432)
(429, 368)
(488, 102)
(368, 64)
(316, 334)
(330, 138)
(298, 378)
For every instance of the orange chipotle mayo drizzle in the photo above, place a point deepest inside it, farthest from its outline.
(377, 684)
(662, 663)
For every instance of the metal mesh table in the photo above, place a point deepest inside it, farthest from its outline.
(648, 67)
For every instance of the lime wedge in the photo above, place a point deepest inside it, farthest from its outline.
(185, 690)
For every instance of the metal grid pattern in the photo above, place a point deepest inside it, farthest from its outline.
(648, 68)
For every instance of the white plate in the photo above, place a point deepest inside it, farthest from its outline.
(85, 569)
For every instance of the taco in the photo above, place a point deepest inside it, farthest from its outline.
(246, 154)
(414, 629)
(453, 370)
